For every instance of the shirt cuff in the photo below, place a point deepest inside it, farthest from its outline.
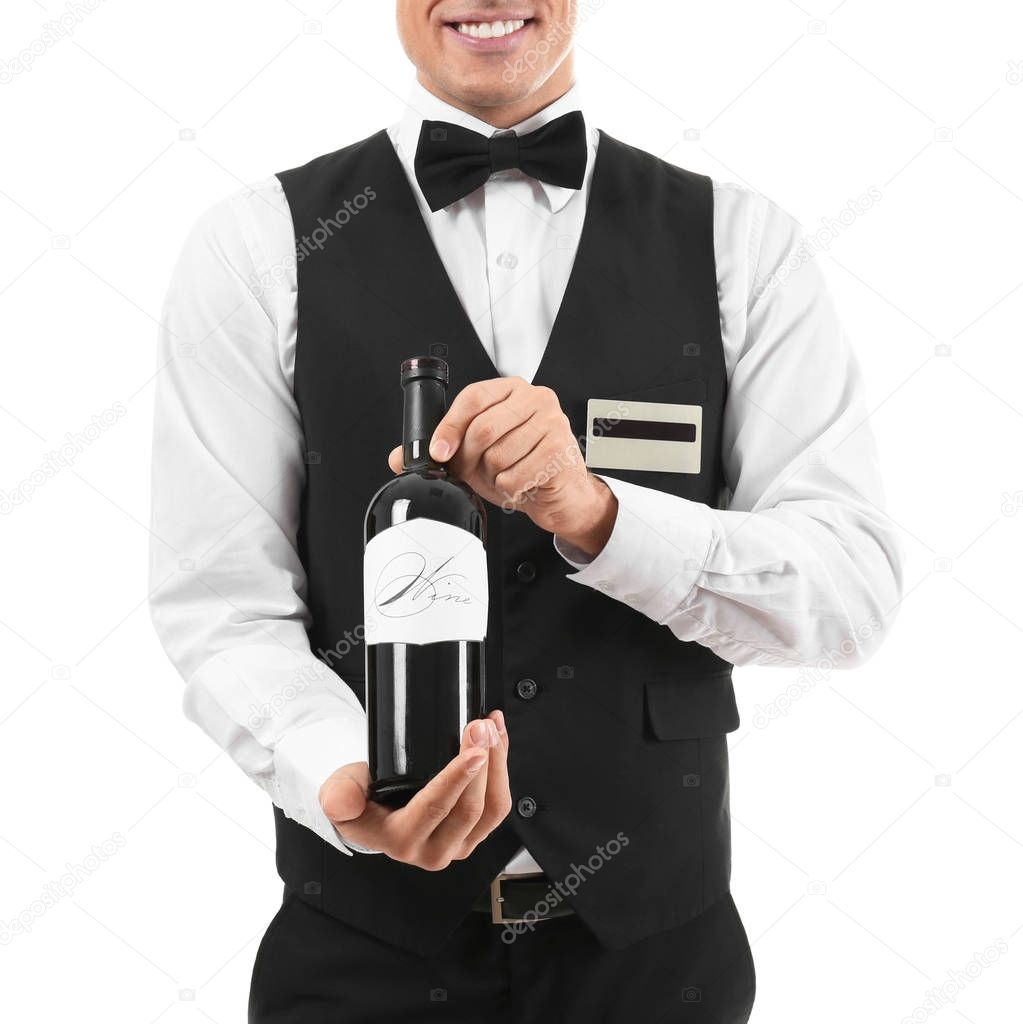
(658, 547)
(304, 758)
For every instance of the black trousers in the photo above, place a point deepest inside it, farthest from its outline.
(314, 969)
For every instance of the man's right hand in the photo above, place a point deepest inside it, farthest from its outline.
(444, 821)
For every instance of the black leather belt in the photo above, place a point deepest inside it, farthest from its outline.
(515, 899)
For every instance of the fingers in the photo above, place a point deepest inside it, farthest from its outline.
(408, 829)
(498, 437)
(446, 820)
(345, 801)
(395, 460)
(498, 800)
(468, 404)
(344, 795)
(522, 444)
(447, 840)
(507, 438)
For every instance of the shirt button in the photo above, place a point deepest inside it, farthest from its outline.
(526, 688)
(507, 261)
(526, 572)
(526, 807)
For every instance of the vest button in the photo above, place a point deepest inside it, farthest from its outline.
(526, 807)
(526, 572)
(526, 688)
(507, 261)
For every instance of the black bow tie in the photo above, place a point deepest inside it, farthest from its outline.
(452, 161)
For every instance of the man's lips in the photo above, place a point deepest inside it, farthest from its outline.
(491, 32)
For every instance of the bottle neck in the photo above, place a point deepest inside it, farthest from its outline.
(425, 405)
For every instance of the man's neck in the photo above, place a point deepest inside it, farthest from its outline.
(509, 114)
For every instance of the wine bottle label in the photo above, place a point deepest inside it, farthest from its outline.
(425, 582)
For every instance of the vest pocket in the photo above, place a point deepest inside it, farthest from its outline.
(691, 708)
(651, 436)
(691, 391)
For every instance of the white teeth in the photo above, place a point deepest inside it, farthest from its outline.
(489, 29)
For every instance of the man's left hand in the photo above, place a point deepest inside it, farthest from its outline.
(513, 445)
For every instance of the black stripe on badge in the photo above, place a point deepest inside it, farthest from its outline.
(645, 430)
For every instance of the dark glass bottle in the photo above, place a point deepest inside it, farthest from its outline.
(425, 588)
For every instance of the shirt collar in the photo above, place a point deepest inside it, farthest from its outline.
(423, 105)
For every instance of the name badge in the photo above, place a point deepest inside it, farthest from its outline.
(654, 436)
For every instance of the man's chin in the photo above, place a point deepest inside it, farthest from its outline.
(484, 89)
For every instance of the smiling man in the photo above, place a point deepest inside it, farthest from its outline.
(655, 388)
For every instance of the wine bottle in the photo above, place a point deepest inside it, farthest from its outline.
(426, 599)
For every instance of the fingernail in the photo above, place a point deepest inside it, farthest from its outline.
(477, 762)
(499, 720)
(492, 729)
(480, 734)
(440, 450)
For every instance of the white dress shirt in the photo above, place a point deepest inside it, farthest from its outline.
(802, 565)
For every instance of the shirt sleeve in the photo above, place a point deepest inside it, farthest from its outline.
(228, 588)
(803, 563)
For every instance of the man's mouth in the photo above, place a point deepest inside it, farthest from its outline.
(489, 29)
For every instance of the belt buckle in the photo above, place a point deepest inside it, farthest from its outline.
(497, 900)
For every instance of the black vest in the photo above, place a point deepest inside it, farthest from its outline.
(624, 740)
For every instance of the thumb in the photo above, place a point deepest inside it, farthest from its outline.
(343, 796)
(394, 460)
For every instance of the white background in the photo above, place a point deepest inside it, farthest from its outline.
(878, 824)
